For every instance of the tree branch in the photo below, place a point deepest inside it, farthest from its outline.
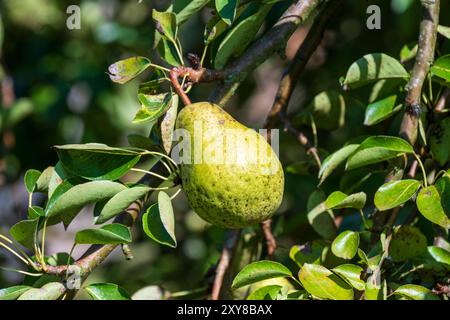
(271, 243)
(297, 65)
(231, 240)
(269, 43)
(424, 58)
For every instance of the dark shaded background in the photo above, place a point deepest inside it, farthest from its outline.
(56, 80)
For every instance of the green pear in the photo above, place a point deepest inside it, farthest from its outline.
(230, 174)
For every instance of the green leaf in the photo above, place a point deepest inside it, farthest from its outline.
(125, 70)
(375, 291)
(441, 67)
(24, 232)
(376, 149)
(227, 9)
(121, 201)
(334, 160)
(258, 271)
(184, 9)
(308, 253)
(346, 245)
(166, 24)
(380, 110)
(373, 67)
(445, 31)
(50, 291)
(30, 179)
(12, 293)
(69, 203)
(320, 217)
(415, 292)
(408, 52)
(153, 107)
(42, 184)
(395, 193)
(351, 274)
(339, 200)
(327, 109)
(430, 205)
(35, 212)
(95, 161)
(440, 141)
(168, 124)
(323, 284)
(242, 33)
(302, 168)
(158, 221)
(407, 242)
(115, 233)
(168, 52)
(265, 293)
(213, 29)
(107, 291)
(440, 255)
(21, 109)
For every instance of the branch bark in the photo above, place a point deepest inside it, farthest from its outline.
(424, 58)
(269, 43)
(271, 243)
(231, 240)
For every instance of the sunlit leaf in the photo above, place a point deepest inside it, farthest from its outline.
(258, 271)
(395, 193)
(115, 233)
(125, 70)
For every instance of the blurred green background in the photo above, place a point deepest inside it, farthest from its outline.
(55, 90)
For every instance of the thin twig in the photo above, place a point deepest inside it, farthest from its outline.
(231, 239)
(297, 65)
(443, 101)
(272, 41)
(271, 243)
(424, 58)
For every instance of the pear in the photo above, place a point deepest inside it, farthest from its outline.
(231, 176)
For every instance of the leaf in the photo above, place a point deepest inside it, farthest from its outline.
(120, 202)
(320, 217)
(12, 293)
(323, 284)
(407, 242)
(408, 52)
(265, 293)
(334, 160)
(440, 141)
(300, 168)
(375, 291)
(69, 204)
(184, 9)
(376, 149)
(351, 274)
(30, 179)
(258, 271)
(440, 255)
(226, 9)
(115, 233)
(395, 193)
(24, 232)
(168, 52)
(35, 212)
(149, 293)
(327, 109)
(430, 205)
(166, 24)
(346, 245)
(153, 106)
(158, 221)
(415, 292)
(50, 291)
(381, 110)
(168, 124)
(107, 291)
(213, 29)
(43, 182)
(373, 67)
(22, 108)
(445, 31)
(441, 67)
(95, 161)
(241, 34)
(339, 200)
(308, 253)
(125, 70)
